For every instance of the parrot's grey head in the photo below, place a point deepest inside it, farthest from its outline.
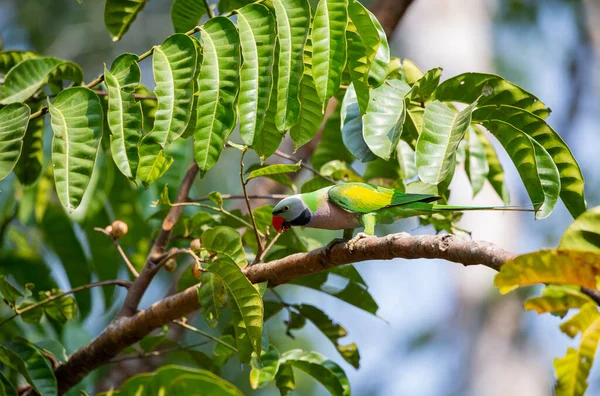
(291, 211)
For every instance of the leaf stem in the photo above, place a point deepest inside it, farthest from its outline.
(116, 282)
(157, 353)
(269, 246)
(209, 10)
(250, 196)
(205, 334)
(259, 243)
(120, 250)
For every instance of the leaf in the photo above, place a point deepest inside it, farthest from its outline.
(61, 309)
(274, 170)
(359, 69)
(257, 40)
(264, 371)
(583, 233)
(6, 387)
(413, 125)
(13, 124)
(31, 364)
(495, 172)
(332, 331)
(27, 77)
(124, 115)
(186, 14)
(9, 59)
(549, 266)
(120, 14)
(352, 127)
(329, 46)
(476, 162)
(268, 139)
(373, 36)
(29, 167)
(176, 380)
(557, 299)
(571, 178)
(329, 374)
(284, 379)
(443, 129)
(331, 145)
(491, 90)
(406, 160)
(76, 119)
(212, 298)
(534, 164)
(382, 124)
(219, 84)
(9, 292)
(227, 241)
(412, 72)
(246, 307)
(293, 21)
(53, 347)
(424, 86)
(221, 353)
(311, 115)
(573, 369)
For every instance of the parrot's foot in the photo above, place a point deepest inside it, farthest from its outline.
(334, 242)
(358, 237)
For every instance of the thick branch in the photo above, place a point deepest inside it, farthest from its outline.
(129, 330)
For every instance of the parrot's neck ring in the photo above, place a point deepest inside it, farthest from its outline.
(303, 219)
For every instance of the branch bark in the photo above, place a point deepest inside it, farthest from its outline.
(126, 331)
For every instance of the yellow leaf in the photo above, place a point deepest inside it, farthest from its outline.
(557, 299)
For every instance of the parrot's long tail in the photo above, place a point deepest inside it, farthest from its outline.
(458, 208)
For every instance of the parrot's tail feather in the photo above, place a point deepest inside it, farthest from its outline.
(512, 208)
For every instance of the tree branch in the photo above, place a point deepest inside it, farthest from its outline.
(120, 250)
(126, 331)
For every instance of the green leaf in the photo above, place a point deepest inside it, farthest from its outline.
(359, 69)
(352, 127)
(311, 115)
(424, 86)
(212, 298)
(412, 72)
(534, 164)
(549, 266)
(124, 114)
(219, 84)
(13, 124)
(333, 331)
(27, 77)
(6, 387)
(221, 353)
(476, 162)
(54, 348)
(226, 241)
(62, 309)
(331, 145)
(491, 90)
(274, 170)
(33, 316)
(382, 124)
(413, 125)
(443, 130)
(329, 46)
(571, 178)
(293, 21)
(573, 369)
(557, 299)
(329, 374)
(76, 118)
(264, 371)
(120, 14)
(29, 167)
(496, 172)
(583, 233)
(268, 139)
(373, 36)
(284, 379)
(186, 14)
(31, 364)
(9, 292)
(406, 160)
(246, 307)
(257, 40)
(9, 59)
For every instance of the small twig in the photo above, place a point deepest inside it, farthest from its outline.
(157, 353)
(257, 234)
(303, 165)
(591, 293)
(269, 246)
(120, 250)
(117, 282)
(174, 252)
(209, 10)
(205, 334)
(250, 196)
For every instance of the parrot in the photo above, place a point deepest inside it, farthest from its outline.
(353, 205)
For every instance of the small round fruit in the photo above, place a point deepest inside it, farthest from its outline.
(171, 265)
(108, 229)
(119, 229)
(196, 245)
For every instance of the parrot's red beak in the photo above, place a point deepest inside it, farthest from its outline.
(280, 224)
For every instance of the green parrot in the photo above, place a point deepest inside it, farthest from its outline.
(352, 205)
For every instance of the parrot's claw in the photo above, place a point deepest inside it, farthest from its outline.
(333, 242)
(358, 237)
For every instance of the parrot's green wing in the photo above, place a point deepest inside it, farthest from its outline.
(366, 198)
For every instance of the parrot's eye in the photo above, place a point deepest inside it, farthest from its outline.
(286, 208)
